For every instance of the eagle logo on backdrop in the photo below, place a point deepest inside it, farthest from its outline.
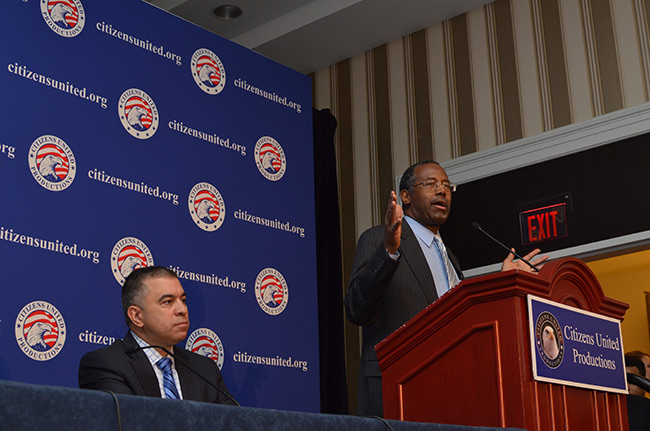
(206, 343)
(65, 17)
(206, 207)
(270, 159)
(208, 71)
(138, 113)
(52, 163)
(128, 255)
(40, 330)
(271, 291)
(549, 340)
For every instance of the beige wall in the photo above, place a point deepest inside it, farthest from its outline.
(627, 278)
(509, 70)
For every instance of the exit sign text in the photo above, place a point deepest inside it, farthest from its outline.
(543, 224)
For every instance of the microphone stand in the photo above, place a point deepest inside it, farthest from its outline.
(478, 227)
(226, 394)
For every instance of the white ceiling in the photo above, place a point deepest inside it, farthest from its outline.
(309, 35)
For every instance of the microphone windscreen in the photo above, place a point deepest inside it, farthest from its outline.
(476, 226)
(132, 350)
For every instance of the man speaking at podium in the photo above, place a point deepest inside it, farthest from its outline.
(401, 267)
(153, 302)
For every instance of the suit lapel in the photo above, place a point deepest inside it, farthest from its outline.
(456, 264)
(191, 389)
(413, 255)
(142, 367)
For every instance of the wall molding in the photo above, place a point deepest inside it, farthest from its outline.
(593, 251)
(553, 144)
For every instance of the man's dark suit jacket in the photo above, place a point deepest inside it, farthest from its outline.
(638, 411)
(382, 295)
(120, 369)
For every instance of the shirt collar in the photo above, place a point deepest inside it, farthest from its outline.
(152, 354)
(425, 235)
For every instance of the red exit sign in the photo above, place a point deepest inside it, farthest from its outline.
(543, 224)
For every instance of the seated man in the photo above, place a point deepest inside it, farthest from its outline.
(634, 365)
(638, 406)
(644, 357)
(153, 302)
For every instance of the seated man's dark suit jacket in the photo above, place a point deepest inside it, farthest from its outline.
(382, 295)
(113, 369)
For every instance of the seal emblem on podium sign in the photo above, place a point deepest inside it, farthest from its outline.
(138, 113)
(270, 158)
(208, 71)
(271, 291)
(206, 206)
(65, 17)
(52, 163)
(549, 339)
(205, 342)
(40, 330)
(129, 254)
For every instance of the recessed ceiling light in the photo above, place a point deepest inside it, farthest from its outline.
(227, 11)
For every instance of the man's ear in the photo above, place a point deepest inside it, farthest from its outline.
(135, 314)
(405, 196)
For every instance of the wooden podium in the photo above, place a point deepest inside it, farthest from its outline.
(466, 359)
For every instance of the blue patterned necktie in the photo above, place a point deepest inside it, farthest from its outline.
(451, 275)
(165, 365)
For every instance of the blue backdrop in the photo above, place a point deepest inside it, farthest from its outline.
(131, 138)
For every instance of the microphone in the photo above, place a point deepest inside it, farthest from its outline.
(639, 381)
(153, 346)
(478, 227)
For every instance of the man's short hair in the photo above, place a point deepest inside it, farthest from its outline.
(134, 289)
(638, 354)
(636, 362)
(408, 177)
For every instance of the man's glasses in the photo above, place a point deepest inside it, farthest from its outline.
(433, 185)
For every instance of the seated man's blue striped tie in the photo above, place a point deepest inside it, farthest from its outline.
(165, 365)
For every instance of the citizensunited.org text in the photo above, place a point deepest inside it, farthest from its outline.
(141, 187)
(212, 138)
(56, 246)
(8, 150)
(277, 361)
(65, 87)
(274, 224)
(270, 95)
(94, 338)
(144, 44)
(209, 279)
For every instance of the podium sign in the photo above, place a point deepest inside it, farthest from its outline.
(575, 347)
